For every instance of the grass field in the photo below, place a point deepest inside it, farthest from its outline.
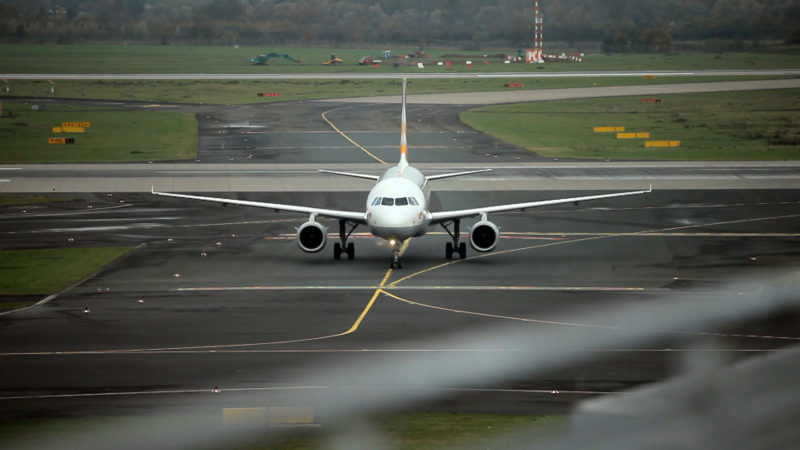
(397, 431)
(47, 271)
(23, 58)
(755, 125)
(29, 200)
(114, 135)
(233, 92)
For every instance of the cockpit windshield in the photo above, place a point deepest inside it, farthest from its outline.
(398, 201)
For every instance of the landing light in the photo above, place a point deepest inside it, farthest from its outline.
(392, 242)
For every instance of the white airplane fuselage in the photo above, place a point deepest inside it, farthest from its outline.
(397, 206)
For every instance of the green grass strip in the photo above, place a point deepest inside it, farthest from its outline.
(30, 200)
(114, 135)
(27, 58)
(237, 92)
(398, 430)
(48, 271)
(752, 125)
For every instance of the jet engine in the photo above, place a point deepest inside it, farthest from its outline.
(311, 236)
(483, 236)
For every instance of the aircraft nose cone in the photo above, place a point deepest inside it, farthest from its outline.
(398, 218)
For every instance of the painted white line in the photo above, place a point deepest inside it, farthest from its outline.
(423, 288)
(289, 388)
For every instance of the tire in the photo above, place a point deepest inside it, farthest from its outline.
(351, 251)
(448, 250)
(462, 250)
(337, 251)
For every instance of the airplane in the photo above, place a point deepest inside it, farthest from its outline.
(397, 209)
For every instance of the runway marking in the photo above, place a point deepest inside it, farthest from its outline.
(658, 234)
(421, 288)
(581, 325)
(339, 147)
(591, 237)
(352, 329)
(208, 351)
(295, 388)
(651, 207)
(348, 137)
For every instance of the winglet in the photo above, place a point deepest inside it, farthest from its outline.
(152, 189)
(651, 188)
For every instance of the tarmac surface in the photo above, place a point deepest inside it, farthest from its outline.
(222, 297)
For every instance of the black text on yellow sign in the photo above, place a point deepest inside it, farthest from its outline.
(76, 124)
(61, 140)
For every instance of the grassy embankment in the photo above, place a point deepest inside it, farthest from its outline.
(114, 135)
(29, 200)
(400, 431)
(753, 125)
(233, 92)
(41, 272)
(18, 58)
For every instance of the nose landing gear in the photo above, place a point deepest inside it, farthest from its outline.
(396, 262)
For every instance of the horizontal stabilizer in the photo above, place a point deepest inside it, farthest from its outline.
(351, 174)
(455, 174)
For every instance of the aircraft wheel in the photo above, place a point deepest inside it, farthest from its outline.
(351, 251)
(462, 250)
(337, 251)
(448, 250)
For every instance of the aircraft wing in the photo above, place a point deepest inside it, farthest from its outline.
(454, 174)
(444, 216)
(352, 216)
(351, 174)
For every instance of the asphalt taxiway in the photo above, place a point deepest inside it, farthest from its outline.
(222, 297)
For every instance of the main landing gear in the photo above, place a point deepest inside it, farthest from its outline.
(396, 262)
(456, 246)
(343, 246)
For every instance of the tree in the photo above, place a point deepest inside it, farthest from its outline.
(616, 42)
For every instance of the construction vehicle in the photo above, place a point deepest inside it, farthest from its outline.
(333, 61)
(262, 59)
(418, 53)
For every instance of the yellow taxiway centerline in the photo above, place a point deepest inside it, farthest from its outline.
(348, 137)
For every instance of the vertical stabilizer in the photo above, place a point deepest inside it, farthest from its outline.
(403, 128)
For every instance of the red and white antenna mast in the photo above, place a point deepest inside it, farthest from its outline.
(534, 55)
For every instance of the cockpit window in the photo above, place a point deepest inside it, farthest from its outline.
(376, 201)
(387, 201)
(401, 201)
(413, 201)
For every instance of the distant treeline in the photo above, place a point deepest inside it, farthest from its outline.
(621, 25)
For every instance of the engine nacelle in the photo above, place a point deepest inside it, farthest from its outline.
(311, 237)
(483, 236)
